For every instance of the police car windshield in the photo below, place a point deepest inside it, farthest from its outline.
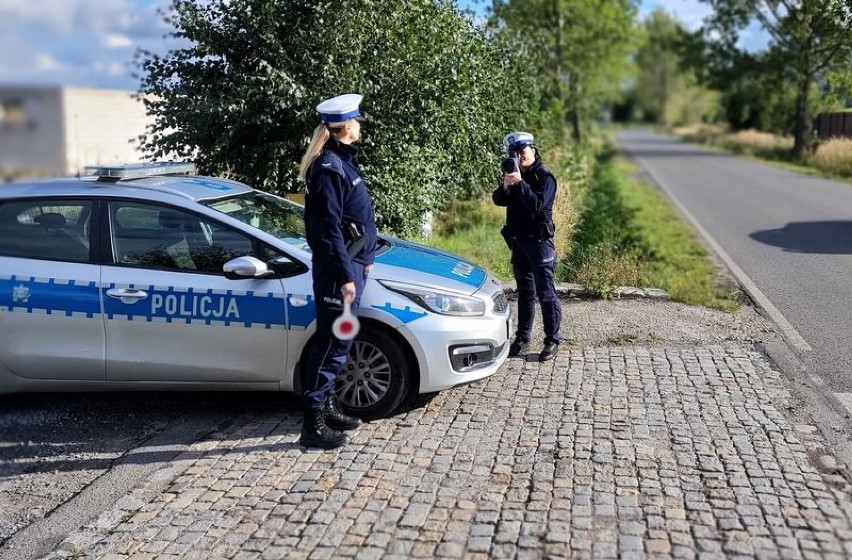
(274, 215)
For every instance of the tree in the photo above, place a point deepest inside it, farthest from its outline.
(667, 90)
(583, 49)
(744, 79)
(239, 98)
(658, 64)
(809, 40)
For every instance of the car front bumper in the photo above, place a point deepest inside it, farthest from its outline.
(454, 351)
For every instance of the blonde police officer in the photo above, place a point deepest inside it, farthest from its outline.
(341, 232)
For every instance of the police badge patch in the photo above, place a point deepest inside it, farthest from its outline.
(20, 294)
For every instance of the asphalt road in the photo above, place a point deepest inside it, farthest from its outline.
(789, 233)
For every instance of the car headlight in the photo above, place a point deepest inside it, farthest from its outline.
(437, 301)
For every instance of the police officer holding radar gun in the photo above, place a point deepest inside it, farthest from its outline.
(341, 232)
(527, 190)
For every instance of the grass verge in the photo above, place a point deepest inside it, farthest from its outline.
(629, 234)
(675, 259)
(605, 251)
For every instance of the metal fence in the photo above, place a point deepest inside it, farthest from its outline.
(833, 125)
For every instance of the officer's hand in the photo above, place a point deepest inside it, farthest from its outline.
(368, 268)
(512, 178)
(348, 292)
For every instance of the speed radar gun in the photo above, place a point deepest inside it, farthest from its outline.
(514, 142)
(346, 326)
(511, 163)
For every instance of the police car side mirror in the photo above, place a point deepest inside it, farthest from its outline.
(241, 268)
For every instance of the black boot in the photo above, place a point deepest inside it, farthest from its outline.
(517, 347)
(315, 433)
(548, 352)
(335, 418)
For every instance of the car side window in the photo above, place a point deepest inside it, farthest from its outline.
(160, 237)
(281, 263)
(45, 229)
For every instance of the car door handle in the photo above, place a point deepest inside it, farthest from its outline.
(127, 295)
(298, 301)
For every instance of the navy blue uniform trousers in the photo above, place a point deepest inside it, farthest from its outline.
(328, 353)
(533, 263)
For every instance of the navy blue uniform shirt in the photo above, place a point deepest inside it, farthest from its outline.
(529, 202)
(337, 194)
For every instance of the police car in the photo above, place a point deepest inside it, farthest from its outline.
(150, 277)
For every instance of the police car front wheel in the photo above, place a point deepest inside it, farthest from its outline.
(374, 380)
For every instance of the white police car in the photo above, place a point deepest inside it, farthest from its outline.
(149, 277)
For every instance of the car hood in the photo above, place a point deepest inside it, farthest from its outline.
(427, 266)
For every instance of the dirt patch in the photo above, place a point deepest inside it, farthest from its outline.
(654, 323)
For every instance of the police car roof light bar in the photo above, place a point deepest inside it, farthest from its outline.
(111, 174)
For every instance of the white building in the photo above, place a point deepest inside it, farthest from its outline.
(56, 130)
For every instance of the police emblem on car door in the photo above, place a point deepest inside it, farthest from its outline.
(50, 316)
(172, 315)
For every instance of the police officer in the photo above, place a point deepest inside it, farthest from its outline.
(528, 192)
(341, 232)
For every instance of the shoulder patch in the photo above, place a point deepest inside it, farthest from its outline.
(328, 161)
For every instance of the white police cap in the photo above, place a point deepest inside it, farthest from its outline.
(517, 140)
(340, 108)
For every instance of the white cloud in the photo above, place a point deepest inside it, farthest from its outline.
(46, 63)
(78, 42)
(64, 17)
(108, 68)
(52, 15)
(115, 41)
(61, 17)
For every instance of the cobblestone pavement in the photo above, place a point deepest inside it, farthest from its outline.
(606, 452)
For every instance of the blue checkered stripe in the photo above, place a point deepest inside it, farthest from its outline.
(71, 298)
(300, 316)
(51, 296)
(227, 307)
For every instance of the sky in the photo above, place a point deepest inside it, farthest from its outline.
(91, 43)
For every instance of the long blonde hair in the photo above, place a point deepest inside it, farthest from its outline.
(321, 135)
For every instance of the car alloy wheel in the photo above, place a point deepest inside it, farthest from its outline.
(374, 379)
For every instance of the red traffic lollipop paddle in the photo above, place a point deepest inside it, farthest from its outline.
(346, 326)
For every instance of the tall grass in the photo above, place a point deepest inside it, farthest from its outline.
(748, 142)
(605, 251)
(757, 143)
(699, 133)
(573, 171)
(833, 157)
